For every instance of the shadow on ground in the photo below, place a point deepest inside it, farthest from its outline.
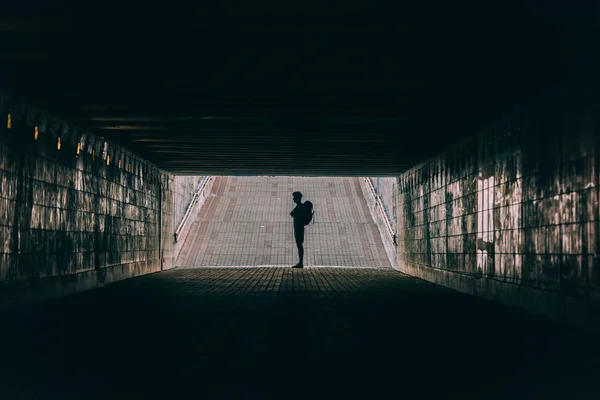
(260, 333)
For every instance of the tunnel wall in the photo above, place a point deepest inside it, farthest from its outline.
(387, 189)
(193, 215)
(512, 214)
(184, 187)
(69, 222)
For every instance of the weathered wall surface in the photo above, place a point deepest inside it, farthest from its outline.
(176, 194)
(513, 213)
(183, 193)
(382, 205)
(168, 198)
(387, 189)
(184, 187)
(71, 222)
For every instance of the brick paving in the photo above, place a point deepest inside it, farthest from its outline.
(279, 333)
(246, 222)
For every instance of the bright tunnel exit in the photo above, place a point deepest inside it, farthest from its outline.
(245, 221)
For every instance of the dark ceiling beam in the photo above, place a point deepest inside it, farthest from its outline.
(193, 94)
(391, 135)
(134, 130)
(218, 120)
(232, 144)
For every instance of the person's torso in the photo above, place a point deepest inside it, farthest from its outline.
(299, 213)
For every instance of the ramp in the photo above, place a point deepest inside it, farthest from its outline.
(246, 222)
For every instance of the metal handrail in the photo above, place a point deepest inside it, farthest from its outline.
(190, 207)
(381, 210)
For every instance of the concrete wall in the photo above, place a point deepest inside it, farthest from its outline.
(182, 192)
(184, 187)
(386, 189)
(512, 214)
(70, 222)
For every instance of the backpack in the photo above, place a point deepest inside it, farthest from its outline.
(308, 216)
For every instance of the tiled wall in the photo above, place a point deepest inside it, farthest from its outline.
(512, 214)
(70, 222)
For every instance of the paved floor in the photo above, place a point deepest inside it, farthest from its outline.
(246, 222)
(278, 333)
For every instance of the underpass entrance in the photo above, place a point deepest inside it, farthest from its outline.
(246, 222)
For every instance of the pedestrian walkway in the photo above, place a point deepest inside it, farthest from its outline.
(280, 333)
(246, 222)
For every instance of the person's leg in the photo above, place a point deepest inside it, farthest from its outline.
(301, 253)
(299, 234)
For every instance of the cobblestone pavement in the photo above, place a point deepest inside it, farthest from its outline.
(246, 222)
(279, 333)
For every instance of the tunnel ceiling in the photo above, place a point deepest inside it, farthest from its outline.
(308, 92)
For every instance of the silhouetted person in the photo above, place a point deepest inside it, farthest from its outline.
(299, 213)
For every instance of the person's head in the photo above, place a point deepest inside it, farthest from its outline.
(297, 197)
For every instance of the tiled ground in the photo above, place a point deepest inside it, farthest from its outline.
(279, 333)
(246, 222)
